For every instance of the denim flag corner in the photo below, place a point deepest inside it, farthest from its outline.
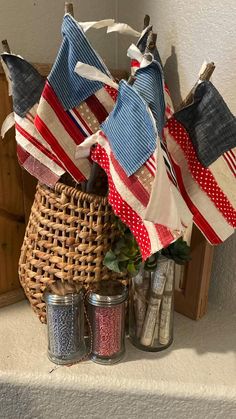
(210, 124)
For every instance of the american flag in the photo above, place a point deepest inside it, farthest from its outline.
(71, 107)
(151, 85)
(208, 192)
(34, 154)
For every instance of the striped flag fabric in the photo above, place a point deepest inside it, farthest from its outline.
(138, 61)
(71, 107)
(149, 83)
(131, 117)
(34, 154)
(36, 168)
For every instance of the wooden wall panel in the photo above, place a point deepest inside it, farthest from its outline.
(192, 299)
(12, 213)
(12, 233)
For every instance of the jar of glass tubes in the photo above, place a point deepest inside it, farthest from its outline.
(106, 306)
(65, 322)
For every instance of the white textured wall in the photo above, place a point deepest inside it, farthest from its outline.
(223, 282)
(32, 27)
(194, 31)
(189, 32)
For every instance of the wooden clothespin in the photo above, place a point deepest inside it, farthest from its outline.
(207, 72)
(146, 21)
(204, 76)
(131, 80)
(69, 8)
(151, 44)
(5, 46)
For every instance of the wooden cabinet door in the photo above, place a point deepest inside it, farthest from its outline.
(12, 214)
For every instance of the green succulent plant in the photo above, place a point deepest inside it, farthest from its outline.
(125, 256)
(179, 251)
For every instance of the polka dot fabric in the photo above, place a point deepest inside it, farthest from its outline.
(200, 174)
(112, 92)
(121, 208)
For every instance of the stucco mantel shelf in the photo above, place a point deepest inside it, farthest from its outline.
(195, 378)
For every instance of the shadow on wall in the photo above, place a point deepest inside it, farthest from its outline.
(223, 276)
(172, 77)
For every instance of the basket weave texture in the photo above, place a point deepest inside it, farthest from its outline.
(66, 239)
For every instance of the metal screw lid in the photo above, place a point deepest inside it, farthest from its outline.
(107, 293)
(67, 299)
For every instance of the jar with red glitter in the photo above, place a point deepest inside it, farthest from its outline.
(107, 316)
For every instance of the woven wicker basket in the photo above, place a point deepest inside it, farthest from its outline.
(66, 239)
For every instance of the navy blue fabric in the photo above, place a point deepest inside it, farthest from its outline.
(27, 83)
(130, 130)
(71, 88)
(210, 124)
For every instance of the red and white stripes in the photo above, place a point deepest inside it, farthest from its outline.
(64, 130)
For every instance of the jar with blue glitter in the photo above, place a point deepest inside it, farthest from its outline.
(65, 320)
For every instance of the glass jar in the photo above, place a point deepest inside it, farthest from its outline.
(106, 305)
(151, 307)
(65, 321)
